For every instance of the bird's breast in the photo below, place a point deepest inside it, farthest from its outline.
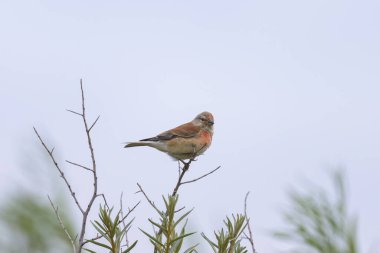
(198, 143)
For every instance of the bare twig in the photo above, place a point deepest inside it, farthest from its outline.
(72, 241)
(95, 178)
(104, 198)
(249, 237)
(59, 170)
(198, 178)
(147, 198)
(77, 113)
(93, 124)
(130, 210)
(97, 237)
(85, 212)
(185, 168)
(79, 165)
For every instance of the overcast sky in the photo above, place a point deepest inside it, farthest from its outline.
(294, 87)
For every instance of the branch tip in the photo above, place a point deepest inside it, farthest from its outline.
(93, 124)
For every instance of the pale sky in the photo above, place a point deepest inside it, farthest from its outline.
(294, 87)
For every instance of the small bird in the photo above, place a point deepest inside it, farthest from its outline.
(185, 141)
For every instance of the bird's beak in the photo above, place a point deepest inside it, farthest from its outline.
(211, 122)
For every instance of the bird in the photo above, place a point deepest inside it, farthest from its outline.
(183, 142)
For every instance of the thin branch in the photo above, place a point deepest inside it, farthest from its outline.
(79, 165)
(129, 212)
(147, 198)
(85, 212)
(185, 168)
(77, 113)
(59, 170)
(72, 241)
(205, 175)
(95, 178)
(92, 239)
(104, 198)
(93, 124)
(249, 237)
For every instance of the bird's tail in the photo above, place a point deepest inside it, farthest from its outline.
(137, 144)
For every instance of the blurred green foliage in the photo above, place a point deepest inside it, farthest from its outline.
(29, 225)
(27, 220)
(319, 222)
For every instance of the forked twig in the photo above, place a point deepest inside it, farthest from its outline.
(130, 210)
(184, 169)
(95, 194)
(93, 124)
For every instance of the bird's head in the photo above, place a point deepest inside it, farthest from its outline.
(206, 120)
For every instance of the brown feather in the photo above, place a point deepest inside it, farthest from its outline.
(186, 130)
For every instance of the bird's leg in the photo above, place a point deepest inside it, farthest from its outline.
(179, 167)
(185, 164)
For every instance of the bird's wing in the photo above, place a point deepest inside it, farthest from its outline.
(187, 130)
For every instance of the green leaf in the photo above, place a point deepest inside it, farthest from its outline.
(212, 244)
(191, 249)
(181, 237)
(130, 247)
(157, 225)
(100, 244)
(89, 250)
(152, 238)
(182, 217)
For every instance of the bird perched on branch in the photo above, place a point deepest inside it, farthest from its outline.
(185, 141)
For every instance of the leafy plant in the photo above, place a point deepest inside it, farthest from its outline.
(111, 230)
(228, 240)
(169, 237)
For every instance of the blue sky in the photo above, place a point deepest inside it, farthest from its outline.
(293, 85)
